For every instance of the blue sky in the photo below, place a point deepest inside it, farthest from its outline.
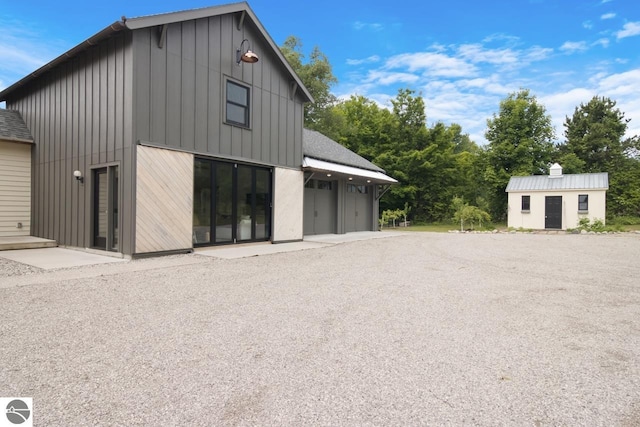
(462, 56)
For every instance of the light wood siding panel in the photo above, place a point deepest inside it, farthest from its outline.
(15, 189)
(186, 82)
(80, 116)
(164, 200)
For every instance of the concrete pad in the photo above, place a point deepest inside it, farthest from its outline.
(352, 237)
(249, 250)
(52, 258)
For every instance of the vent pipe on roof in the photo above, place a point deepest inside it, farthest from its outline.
(555, 171)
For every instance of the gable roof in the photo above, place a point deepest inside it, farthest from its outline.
(13, 128)
(321, 147)
(162, 19)
(580, 181)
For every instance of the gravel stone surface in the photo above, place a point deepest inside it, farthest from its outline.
(11, 268)
(421, 329)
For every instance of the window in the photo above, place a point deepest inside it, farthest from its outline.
(583, 202)
(351, 188)
(237, 104)
(310, 184)
(363, 189)
(526, 203)
(324, 185)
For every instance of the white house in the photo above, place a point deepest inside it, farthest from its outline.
(556, 201)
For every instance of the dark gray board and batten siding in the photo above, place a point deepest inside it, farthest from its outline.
(179, 92)
(80, 115)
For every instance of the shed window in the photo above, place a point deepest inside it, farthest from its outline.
(526, 203)
(237, 104)
(583, 202)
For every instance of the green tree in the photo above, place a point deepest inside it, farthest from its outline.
(317, 76)
(595, 142)
(520, 143)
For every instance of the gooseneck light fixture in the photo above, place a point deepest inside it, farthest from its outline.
(247, 55)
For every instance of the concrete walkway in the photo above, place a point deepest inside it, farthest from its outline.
(309, 242)
(52, 258)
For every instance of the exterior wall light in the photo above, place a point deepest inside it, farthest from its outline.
(350, 179)
(78, 175)
(247, 56)
(329, 174)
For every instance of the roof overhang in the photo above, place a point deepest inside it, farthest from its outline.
(315, 165)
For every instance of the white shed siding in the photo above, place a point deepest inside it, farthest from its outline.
(535, 218)
(15, 189)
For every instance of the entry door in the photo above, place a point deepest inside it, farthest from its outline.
(553, 212)
(105, 208)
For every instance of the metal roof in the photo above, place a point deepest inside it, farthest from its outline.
(580, 181)
(163, 19)
(319, 146)
(13, 128)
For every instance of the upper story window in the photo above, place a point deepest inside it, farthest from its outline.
(526, 203)
(237, 111)
(583, 202)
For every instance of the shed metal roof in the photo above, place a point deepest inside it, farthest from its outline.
(162, 19)
(13, 128)
(580, 181)
(319, 146)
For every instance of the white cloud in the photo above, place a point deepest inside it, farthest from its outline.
(478, 53)
(571, 47)
(587, 24)
(432, 64)
(388, 78)
(369, 60)
(373, 26)
(604, 42)
(609, 15)
(23, 50)
(536, 53)
(628, 30)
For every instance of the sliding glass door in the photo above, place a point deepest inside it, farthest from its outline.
(232, 203)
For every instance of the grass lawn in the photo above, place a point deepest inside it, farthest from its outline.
(444, 227)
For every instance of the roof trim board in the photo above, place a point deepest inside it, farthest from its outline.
(309, 163)
(161, 20)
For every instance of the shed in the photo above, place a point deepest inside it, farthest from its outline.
(15, 175)
(556, 201)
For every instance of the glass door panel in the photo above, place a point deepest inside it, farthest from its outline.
(263, 204)
(202, 202)
(245, 219)
(101, 208)
(113, 184)
(224, 218)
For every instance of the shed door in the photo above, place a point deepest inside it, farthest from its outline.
(553, 212)
(15, 189)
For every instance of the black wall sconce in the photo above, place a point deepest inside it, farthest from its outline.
(78, 176)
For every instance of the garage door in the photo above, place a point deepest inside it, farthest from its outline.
(15, 189)
(358, 208)
(320, 207)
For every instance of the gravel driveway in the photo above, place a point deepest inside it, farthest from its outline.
(433, 329)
